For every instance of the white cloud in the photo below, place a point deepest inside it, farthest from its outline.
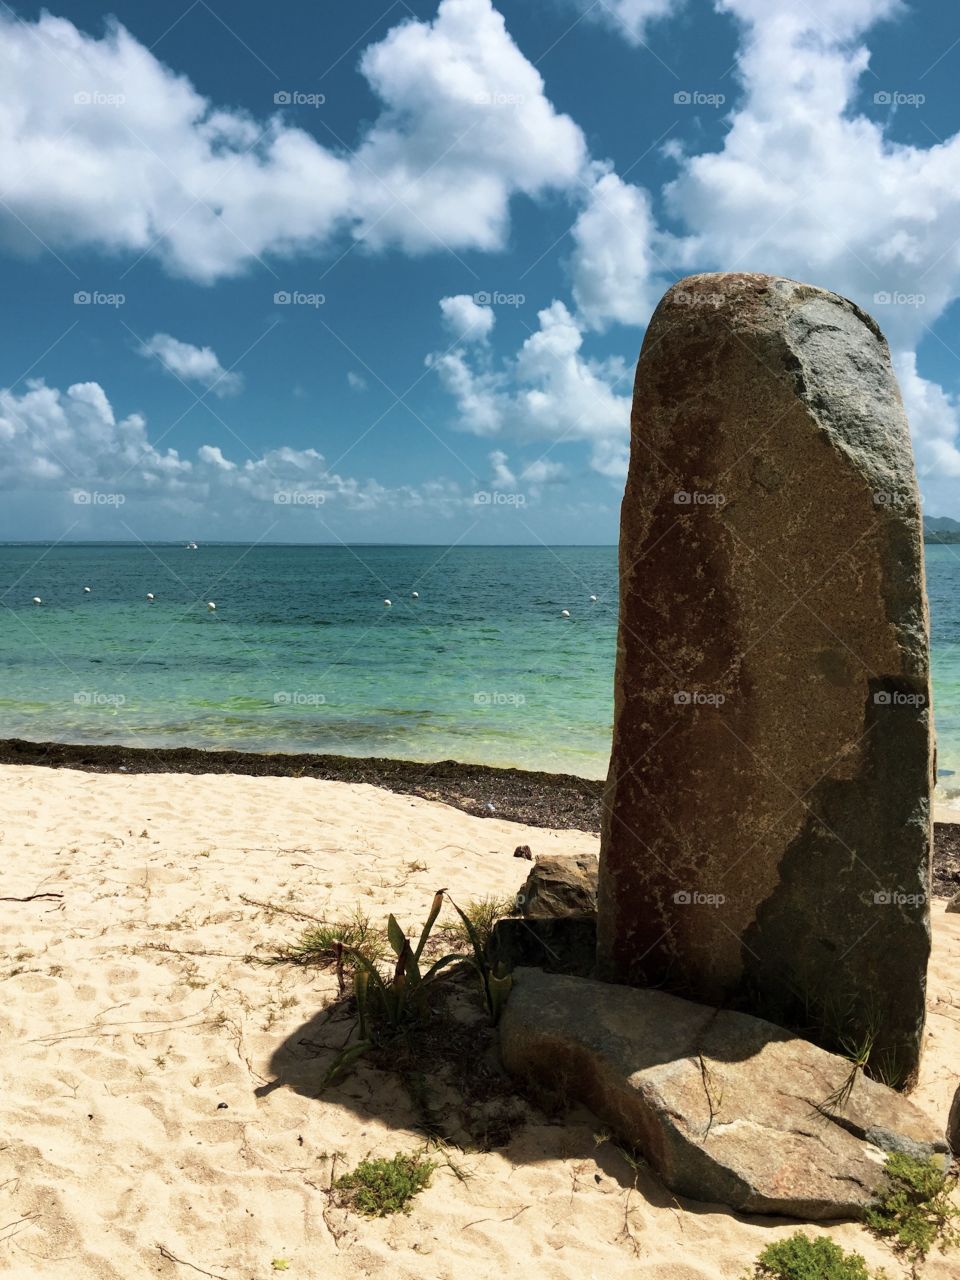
(805, 185)
(631, 18)
(192, 364)
(615, 262)
(466, 319)
(466, 124)
(103, 146)
(548, 392)
(500, 473)
(355, 381)
(70, 445)
(935, 428)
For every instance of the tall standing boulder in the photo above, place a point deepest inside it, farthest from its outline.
(767, 823)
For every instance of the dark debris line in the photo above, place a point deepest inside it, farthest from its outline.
(557, 800)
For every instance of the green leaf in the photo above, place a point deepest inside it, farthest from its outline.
(431, 921)
(344, 1060)
(396, 936)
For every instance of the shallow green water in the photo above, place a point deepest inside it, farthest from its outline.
(302, 655)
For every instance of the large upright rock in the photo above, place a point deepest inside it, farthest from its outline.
(766, 831)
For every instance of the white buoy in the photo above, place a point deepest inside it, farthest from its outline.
(150, 595)
(37, 600)
(564, 613)
(388, 603)
(593, 599)
(211, 605)
(415, 595)
(86, 591)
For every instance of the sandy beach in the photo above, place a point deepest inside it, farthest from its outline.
(137, 1025)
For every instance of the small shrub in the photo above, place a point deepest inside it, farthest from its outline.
(482, 914)
(914, 1211)
(378, 1187)
(801, 1258)
(318, 944)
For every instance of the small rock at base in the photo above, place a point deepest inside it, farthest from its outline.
(561, 885)
(523, 851)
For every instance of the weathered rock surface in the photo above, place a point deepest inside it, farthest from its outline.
(726, 1107)
(953, 1124)
(766, 834)
(560, 885)
(954, 903)
(559, 944)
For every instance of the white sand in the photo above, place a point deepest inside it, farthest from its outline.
(115, 1054)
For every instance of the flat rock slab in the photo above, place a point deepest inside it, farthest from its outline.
(725, 1107)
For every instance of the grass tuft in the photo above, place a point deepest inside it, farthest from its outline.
(483, 914)
(317, 945)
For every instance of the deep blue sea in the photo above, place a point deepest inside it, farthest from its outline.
(302, 654)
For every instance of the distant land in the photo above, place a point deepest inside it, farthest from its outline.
(940, 529)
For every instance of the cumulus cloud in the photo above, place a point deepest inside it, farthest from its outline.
(807, 185)
(631, 18)
(103, 146)
(192, 364)
(72, 445)
(615, 262)
(466, 319)
(549, 391)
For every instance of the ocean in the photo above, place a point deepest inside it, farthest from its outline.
(302, 654)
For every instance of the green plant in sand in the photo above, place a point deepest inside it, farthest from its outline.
(379, 1187)
(318, 944)
(391, 1004)
(914, 1211)
(478, 917)
(801, 1258)
(477, 926)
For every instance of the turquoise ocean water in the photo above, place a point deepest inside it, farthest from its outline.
(301, 654)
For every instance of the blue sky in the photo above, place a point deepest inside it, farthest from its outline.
(473, 211)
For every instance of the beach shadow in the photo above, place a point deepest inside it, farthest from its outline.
(449, 1085)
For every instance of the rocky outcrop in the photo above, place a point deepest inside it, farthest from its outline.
(766, 835)
(725, 1107)
(560, 885)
